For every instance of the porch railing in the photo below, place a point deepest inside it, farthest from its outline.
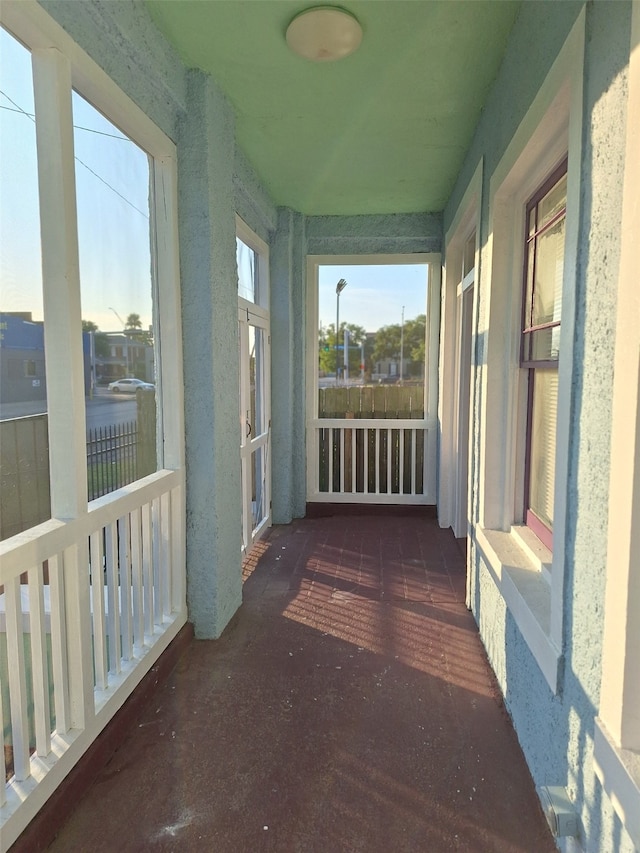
(101, 598)
(367, 460)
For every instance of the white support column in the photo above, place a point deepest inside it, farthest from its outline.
(61, 277)
(64, 356)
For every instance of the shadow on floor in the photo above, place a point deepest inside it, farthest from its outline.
(348, 707)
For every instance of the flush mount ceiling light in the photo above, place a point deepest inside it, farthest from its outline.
(324, 33)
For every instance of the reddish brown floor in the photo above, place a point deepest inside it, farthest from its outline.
(348, 707)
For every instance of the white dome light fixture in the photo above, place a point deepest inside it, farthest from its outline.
(324, 33)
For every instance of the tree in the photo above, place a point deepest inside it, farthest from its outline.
(387, 343)
(327, 347)
(133, 329)
(100, 340)
(411, 338)
(414, 341)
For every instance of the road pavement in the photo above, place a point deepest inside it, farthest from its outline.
(103, 409)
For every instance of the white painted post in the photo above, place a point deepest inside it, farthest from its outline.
(78, 619)
(64, 357)
(136, 574)
(59, 645)
(147, 568)
(61, 283)
(113, 605)
(178, 578)
(124, 565)
(37, 626)
(165, 553)
(99, 624)
(17, 680)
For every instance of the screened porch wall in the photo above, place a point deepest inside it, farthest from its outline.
(124, 41)
(296, 237)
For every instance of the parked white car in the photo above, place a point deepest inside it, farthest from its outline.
(129, 386)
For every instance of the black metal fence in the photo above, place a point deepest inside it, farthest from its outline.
(111, 458)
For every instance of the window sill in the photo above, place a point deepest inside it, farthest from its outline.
(619, 773)
(520, 565)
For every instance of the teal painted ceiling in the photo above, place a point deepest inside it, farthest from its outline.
(382, 131)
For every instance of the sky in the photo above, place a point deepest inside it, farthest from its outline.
(374, 295)
(112, 195)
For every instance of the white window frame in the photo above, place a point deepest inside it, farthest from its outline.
(617, 731)
(529, 577)
(454, 503)
(257, 315)
(251, 239)
(429, 423)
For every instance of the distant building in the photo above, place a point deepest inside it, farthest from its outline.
(118, 355)
(22, 369)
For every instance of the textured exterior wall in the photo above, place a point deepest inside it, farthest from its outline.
(206, 203)
(253, 203)
(400, 233)
(556, 730)
(125, 43)
(288, 293)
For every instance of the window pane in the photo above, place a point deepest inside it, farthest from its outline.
(544, 275)
(553, 203)
(247, 261)
(113, 195)
(257, 381)
(24, 444)
(259, 509)
(543, 444)
(543, 345)
(469, 255)
(383, 310)
(549, 262)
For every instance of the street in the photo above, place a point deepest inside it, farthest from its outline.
(104, 409)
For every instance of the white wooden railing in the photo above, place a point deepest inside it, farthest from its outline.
(87, 607)
(369, 460)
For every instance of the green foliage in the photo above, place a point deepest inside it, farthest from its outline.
(101, 343)
(100, 340)
(327, 347)
(388, 343)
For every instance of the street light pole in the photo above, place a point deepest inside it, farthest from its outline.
(340, 286)
(124, 326)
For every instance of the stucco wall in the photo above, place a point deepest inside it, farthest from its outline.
(401, 233)
(556, 730)
(123, 40)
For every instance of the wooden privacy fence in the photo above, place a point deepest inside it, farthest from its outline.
(371, 401)
(24, 474)
(370, 445)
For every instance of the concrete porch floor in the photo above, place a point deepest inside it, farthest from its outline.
(348, 707)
